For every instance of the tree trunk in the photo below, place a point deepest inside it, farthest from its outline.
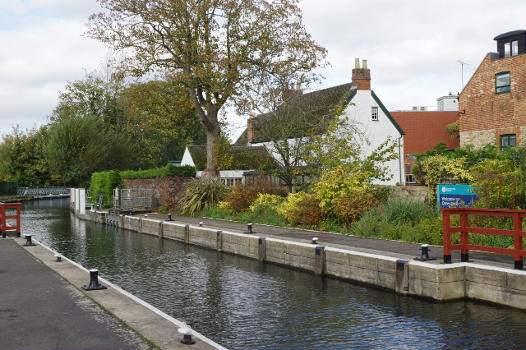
(212, 136)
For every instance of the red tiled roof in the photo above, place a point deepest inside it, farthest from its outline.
(423, 130)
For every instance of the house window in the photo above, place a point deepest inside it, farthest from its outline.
(502, 82)
(507, 141)
(374, 113)
(514, 48)
(507, 49)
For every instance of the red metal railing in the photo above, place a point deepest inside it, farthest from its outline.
(517, 233)
(4, 216)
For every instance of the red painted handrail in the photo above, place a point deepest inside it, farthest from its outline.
(517, 233)
(4, 227)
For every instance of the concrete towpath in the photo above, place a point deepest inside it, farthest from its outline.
(40, 310)
(402, 250)
(42, 307)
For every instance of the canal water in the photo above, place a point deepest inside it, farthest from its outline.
(243, 304)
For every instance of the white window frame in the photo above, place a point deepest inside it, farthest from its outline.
(374, 113)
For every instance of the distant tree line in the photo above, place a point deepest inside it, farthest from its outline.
(100, 124)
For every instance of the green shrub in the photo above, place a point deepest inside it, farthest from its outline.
(400, 211)
(348, 207)
(267, 200)
(168, 170)
(264, 215)
(498, 184)
(302, 209)
(401, 220)
(241, 197)
(103, 183)
(216, 212)
(201, 193)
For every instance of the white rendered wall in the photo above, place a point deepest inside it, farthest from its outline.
(376, 132)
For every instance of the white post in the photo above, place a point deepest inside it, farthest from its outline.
(72, 199)
(77, 201)
(82, 201)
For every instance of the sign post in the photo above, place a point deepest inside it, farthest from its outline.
(455, 196)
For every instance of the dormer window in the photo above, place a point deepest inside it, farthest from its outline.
(511, 43)
(511, 48)
(515, 48)
(374, 114)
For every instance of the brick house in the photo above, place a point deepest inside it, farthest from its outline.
(492, 106)
(423, 131)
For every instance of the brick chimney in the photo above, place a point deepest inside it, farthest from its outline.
(251, 128)
(361, 77)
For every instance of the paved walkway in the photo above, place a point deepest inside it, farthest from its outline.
(40, 310)
(401, 250)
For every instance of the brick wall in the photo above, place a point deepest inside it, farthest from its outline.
(489, 115)
(163, 188)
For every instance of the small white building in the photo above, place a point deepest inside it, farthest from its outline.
(361, 107)
(447, 103)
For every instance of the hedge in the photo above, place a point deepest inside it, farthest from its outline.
(168, 170)
(104, 182)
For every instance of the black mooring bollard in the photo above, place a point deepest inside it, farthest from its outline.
(249, 229)
(424, 256)
(58, 257)
(187, 335)
(29, 242)
(314, 240)
(18, 234)
(4, 234)
(519, 265)
(169, 217)
(93, 281)
(200, 224)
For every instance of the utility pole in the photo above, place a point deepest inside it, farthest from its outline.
(462, 64)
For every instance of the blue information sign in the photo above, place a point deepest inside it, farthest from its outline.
(455, 196)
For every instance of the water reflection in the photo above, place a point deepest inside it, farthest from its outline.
(243, 304)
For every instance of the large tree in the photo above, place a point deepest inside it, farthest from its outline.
(160, 119)
(220, 50)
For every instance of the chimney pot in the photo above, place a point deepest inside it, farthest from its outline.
(356, 63)
(361, 77)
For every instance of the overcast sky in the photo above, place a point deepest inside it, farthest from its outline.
(412, 48)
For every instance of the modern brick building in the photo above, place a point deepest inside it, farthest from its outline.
(423, 131)
(492, 106)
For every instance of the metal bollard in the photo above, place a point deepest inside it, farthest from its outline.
(424, 256)
(314, 240)
(4, 234)
(249, 228)
(58, 257)
(187, 335)
(29, 242)
(169, 217)
(93, 281)
(200, 224)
